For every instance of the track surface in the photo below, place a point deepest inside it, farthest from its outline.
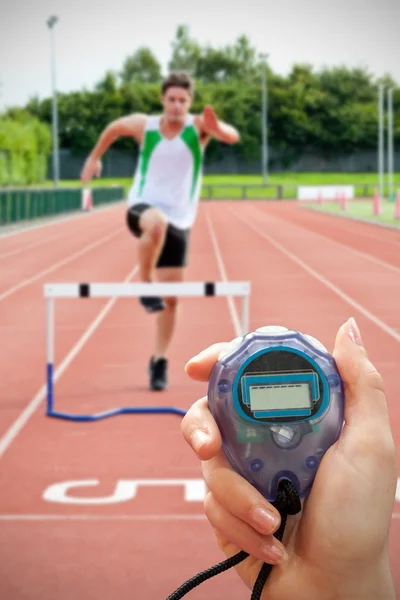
(307, 271)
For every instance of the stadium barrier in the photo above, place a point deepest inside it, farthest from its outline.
(23, 204)
(33, 203)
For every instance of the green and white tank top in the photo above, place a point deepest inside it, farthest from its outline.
(169, 172)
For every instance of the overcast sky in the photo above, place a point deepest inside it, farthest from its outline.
(92, 37)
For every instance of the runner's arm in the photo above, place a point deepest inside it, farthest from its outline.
(213, 127)
(130, 126)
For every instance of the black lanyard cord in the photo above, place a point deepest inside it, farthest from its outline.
(287, 503)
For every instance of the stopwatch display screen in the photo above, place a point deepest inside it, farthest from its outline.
(280, 385)
(279, 397)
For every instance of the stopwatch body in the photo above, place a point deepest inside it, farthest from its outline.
(277, 398)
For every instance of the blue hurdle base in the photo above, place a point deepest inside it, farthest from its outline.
(170, 410)
(118, 411)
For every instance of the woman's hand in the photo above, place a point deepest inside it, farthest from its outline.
(338, 546)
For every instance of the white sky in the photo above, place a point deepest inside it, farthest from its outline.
(92, 37)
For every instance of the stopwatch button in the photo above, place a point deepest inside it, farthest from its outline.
(272, 329)
(311, 462)
(315, 343)
(256, 465)
(333, 380)
(232, 346)
(224, 386)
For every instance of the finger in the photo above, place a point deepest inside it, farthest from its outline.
(366, 440)
(364, 389)
(201, 431)
(199, 367)
(239, 497)
(264, 547)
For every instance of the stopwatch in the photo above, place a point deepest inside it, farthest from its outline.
(278, 400)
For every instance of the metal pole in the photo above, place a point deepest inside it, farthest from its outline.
(380, 141)
(264, 120)
(245, 315)
(266, 124)
(50, 352)
(390, 143)
(51, 22)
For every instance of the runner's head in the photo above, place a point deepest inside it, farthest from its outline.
(177, 96)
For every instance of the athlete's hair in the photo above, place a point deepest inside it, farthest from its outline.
(178, 79)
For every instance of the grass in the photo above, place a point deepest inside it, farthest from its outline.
(291, 180)
(361, 209)
(285, 179)
(273, 179)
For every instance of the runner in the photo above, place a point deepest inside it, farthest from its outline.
(163, 200)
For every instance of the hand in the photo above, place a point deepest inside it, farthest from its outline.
(92, 168)
(338, 546)
(210, 121)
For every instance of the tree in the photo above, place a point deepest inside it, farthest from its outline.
(141, 66)
(24, 146)
(186, 52)
(108, 84)
(209, 64)
(326, 112)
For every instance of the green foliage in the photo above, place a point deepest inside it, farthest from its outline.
(141, 66)
(326, 112)
(186, 52)
(25, 143)
(208, 64)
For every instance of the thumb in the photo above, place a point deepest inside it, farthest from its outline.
(365, 400)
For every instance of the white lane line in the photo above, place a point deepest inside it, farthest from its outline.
(89, 517)
(24, 417)
(328, 284)
(377, 261)
(47, 240)
(222, 270)
(94, 518)
(29, 247)
(57, 220)
(59, 264)
(357, 220)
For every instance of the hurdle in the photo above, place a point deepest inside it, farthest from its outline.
(52, 291)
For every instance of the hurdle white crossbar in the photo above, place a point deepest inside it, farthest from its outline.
(53, 291)
(131, 290)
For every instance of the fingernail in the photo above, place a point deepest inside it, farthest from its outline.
(194, 359)
(354, 332)
(198, 439)
(190, 362)
(265, 520)
(275, 553)
(369, 367)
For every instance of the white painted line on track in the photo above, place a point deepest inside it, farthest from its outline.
(59, 264)
(328, 284)
(27, 413)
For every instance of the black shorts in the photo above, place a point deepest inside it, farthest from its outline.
(176, 246)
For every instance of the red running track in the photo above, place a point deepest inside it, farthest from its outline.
(307, 271)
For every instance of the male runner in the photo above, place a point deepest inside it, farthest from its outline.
(163, 200)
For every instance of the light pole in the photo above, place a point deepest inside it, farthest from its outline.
(51, 22)
(264, 118)
(380, 139)
(390, 143)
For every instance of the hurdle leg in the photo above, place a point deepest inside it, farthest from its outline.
(50, 352)
(245, 314)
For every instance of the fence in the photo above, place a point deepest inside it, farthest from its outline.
(26, 204)
(269, 191)
(122, 163)
(33, 203)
